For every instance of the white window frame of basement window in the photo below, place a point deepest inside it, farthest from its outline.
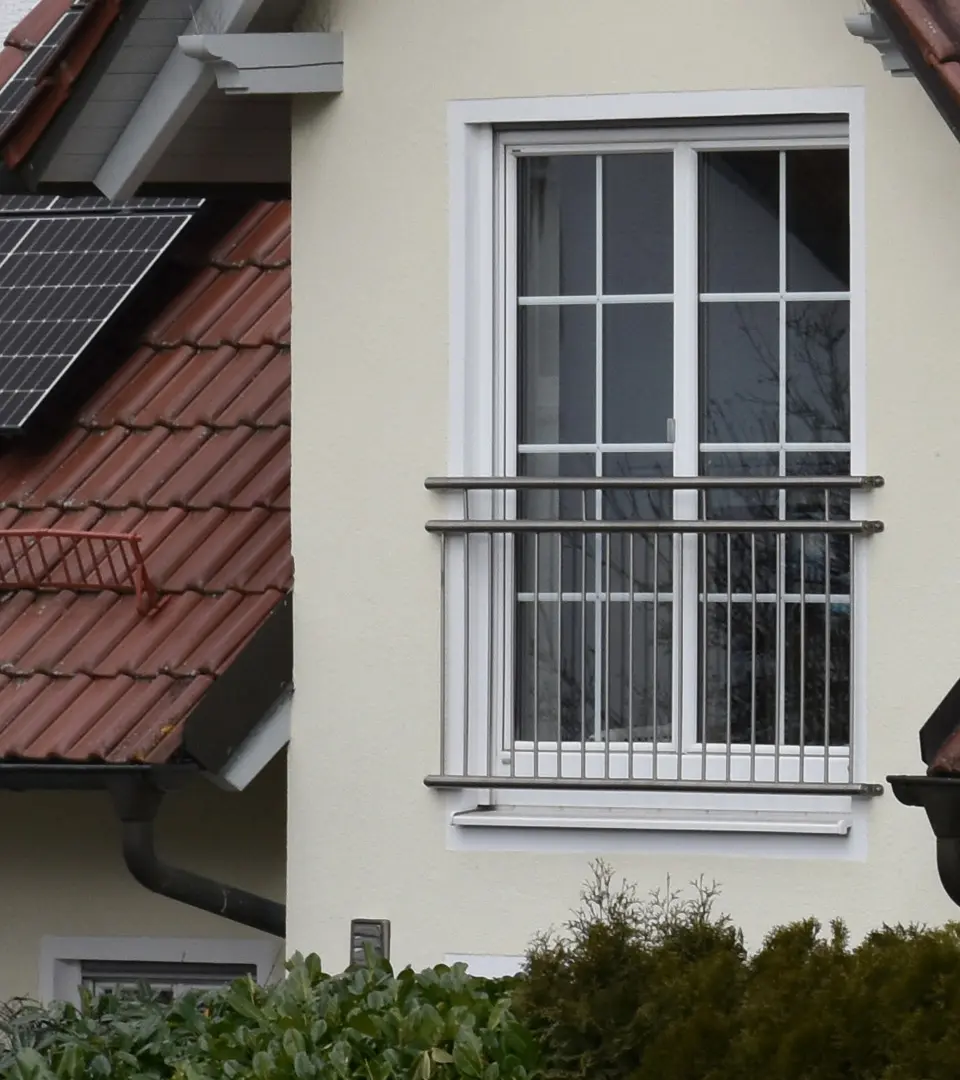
(62, 958)
(474, 221)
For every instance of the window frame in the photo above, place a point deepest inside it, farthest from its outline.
(482, 135)
(62, 958)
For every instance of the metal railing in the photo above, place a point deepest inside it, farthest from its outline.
(658, 633)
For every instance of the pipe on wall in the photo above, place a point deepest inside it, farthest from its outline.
(137, 802)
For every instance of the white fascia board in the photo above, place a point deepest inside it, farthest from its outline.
(259, 748)
(173, 95)
(294, 63)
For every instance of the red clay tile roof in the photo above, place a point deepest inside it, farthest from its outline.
(188, 446)
(56, 81)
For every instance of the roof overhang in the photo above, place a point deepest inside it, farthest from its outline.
(181, 97)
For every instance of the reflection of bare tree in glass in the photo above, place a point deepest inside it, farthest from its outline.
(741, 576)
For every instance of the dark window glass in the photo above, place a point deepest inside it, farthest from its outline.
(558, 225)
(638, 223)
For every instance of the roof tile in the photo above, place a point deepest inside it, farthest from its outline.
(187, 446)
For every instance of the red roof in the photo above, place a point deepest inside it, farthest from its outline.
(187, 446)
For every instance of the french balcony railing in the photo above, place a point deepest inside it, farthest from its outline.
(617, 633)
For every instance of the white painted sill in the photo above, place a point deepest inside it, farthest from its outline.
(795, 822)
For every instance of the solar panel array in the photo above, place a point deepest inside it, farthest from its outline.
(63, 274)
(22, 83)
(66, 264)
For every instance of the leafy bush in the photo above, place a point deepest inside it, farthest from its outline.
(367, 1023)
(629, 989)
(663, 989)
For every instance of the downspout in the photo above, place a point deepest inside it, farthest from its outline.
(137, 801)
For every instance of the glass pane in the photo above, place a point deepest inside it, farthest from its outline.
(739, 232)
(560, 554)
(556, 661)
(739, 372)
(811, 503)
(557, 225)
(740, 562)
(557, 374)
(739, 672)
(639, 672)
(825, 710)
(818, 371)
(651, 558)
(638, 223)
(818, 220)
(637, 372)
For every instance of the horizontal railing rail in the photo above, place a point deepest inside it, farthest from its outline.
(689, 654)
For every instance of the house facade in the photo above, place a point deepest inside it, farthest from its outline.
(623, 437)
(635, 241)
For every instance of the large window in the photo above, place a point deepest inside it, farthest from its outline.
(662, 586)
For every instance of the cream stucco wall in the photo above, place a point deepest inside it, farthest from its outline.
(371, 363)
(62, 874)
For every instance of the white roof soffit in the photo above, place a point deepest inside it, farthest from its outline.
(296, 63)
(868, 26)
(259, 748)
(173, 95)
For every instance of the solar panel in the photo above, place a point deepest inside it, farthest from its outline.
(62, 276)
(83, 204)
(22, 83)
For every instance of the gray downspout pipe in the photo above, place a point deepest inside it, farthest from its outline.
(137, 802)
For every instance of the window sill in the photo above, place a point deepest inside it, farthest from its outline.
(811, 823)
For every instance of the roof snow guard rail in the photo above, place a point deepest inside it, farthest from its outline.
(54, 559)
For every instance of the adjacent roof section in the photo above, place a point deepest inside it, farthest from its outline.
(928, 34)
(187, 446)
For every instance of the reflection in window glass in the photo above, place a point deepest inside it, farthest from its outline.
(637, 223)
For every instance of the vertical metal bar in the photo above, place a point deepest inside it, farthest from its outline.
(466, 638)
(443, 654)
(630, 617)
(559, 653)
(803, 654)
(704, 584)
(729, 652)
(656, 652)
(536, 654)
(583, 637)
(753, 656)
(492, 540)
(779, 664)
(606, 662)
(678, 543)
(851, 677)
(827, 673)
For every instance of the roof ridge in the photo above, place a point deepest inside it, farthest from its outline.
(173, 425)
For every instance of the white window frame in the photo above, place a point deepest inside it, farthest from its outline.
(62, 958)
(476, 224)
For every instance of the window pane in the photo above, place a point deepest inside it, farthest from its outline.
(818, 371)
(826, 699)
(818, 220)
(814, 553)
(739, 372)
(651, 559)
(739, 233)
(557, 374)
(637, 372)
(639, 671)
(739, 672)
(740, 562)
(561, 556)
(555, 660)
(638, 223)
(557, 225)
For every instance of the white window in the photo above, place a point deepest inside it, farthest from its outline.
(671, 360)
(168, 966)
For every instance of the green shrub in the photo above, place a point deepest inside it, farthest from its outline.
(367, 1023)
(663, 989)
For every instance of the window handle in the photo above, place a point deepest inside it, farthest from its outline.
(671, 430)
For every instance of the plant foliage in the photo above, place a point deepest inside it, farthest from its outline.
(367, 1023)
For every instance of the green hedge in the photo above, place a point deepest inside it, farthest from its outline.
(659, 989)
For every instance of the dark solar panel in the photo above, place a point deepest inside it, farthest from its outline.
(61, 277)
(22, 83)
